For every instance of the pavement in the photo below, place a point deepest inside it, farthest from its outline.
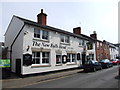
(19, 82)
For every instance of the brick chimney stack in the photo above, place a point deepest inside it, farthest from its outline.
(77, 30)
(94, 35)
(42, 18)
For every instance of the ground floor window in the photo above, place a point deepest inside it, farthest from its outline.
(40, 57)
(45, 57)
(58, 59)
(91, 56)
(71, 57)
(99, 57)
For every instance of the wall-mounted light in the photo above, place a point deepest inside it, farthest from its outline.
(26, 32)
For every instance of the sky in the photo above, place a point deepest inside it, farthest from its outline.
(91, 15)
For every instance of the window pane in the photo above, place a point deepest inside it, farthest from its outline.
(37, 33)
(45, 57)
(80, 42)
(67, 39)
(37, 54)
(45, 35)
(68, 57)
(62, 38)
(33, 61)
(35, 57)
(83, 42)
(37, 60)
(73, 57)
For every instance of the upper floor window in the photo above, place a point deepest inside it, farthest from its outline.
(42, 34)
(36, 33)
(89, 46)
(100, 45)
(81, 42)
(64, 39)
(45, 35)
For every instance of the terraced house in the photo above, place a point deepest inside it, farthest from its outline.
(101, 47)
(35, 47)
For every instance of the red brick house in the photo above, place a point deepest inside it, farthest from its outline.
(102, 48)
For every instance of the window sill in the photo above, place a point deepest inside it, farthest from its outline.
(41, 39)
(80, 46)
(71, 63)
(58, 65)
(64, 43)
(34, 66)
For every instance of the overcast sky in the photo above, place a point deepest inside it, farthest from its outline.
(91, 15)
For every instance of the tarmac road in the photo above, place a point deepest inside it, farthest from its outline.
(106, 78)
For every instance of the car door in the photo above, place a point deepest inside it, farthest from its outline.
(97, 65)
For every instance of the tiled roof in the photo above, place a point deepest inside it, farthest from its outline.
(26, 21)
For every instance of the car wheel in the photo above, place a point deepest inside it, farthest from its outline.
(100, 68)
(107, 66)
(94, 69)
(85, 71)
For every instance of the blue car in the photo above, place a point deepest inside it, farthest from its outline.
(106, 63)
(92, 65)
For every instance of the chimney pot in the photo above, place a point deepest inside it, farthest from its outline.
(41, 10)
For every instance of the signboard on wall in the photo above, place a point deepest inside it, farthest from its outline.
(27, 59)
(4, 63)
(51, 45)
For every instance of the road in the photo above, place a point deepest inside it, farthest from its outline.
(106, 78)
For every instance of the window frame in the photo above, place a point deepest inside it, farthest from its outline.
(64, 39)
(59, 59)
(40, 58)
(41, 33)
(71, 60)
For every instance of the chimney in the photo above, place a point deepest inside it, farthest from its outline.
(77, 30)
(42, 18)
(94, 35)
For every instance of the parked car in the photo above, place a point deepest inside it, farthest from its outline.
(106, 63)
(115, 61)
(118, 61)
(119, 71)
(92, 65)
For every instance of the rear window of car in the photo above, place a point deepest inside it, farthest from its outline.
(113, 60)
(105, 60)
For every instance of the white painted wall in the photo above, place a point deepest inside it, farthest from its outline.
(17, 50)
(92, 51)
(114, 52)
(26, 39)
(11, 33)
(55, 39)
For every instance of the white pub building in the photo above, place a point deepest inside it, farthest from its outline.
(35, 47)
